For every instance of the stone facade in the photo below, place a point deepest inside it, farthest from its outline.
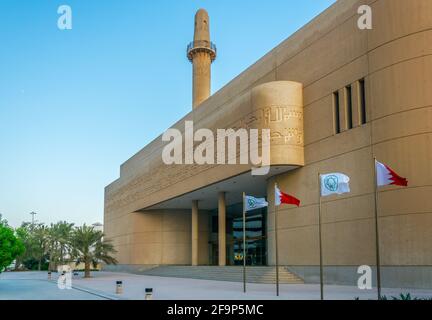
(293, 91)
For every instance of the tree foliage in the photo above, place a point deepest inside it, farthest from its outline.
(47, 247)
(10, 245)
(58, 249)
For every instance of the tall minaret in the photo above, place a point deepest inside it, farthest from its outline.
(201, 52)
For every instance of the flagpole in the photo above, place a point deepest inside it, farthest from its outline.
(320, 240)
(377, 248)
(244, 243)
(276, 248)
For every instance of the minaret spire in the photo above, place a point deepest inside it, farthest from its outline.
(201, 52)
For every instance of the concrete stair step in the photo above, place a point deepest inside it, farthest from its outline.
(228, 273)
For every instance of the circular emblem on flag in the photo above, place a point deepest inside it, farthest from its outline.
(251, 202)
(331, 183)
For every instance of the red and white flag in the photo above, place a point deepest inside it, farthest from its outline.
(281, 197)
(386, 176)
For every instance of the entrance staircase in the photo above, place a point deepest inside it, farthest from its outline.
(227, 273)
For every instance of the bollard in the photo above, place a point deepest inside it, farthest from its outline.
(49, 275)
(119, 287)
(149, 294)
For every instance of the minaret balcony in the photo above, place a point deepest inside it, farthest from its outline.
(201, 46)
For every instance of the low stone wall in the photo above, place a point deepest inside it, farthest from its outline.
(129, 268)
(416, 277)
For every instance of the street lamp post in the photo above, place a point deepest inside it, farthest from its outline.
(33, 214)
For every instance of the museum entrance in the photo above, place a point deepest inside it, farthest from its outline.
(256, 236)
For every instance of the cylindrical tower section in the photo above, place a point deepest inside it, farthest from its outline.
(201, 52)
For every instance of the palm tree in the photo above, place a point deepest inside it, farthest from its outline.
(89, 248)
(59, 235)
(40, 238)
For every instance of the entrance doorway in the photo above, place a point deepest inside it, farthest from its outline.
(256, 236)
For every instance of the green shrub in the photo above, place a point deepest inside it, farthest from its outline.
(406, 296)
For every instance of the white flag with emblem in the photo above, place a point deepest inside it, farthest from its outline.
(332, 183)
(252, 203)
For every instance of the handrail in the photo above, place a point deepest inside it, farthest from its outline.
(201, 45)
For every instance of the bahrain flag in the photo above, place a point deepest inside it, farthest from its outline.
(281, 197)
(386, 176)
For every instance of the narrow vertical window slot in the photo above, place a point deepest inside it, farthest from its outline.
(348, 103)
(362, 95)
(336, 112)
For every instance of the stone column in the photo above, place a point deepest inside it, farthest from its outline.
(222, 228)
(195, 232)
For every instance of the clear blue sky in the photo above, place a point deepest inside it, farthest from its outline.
(76, 104)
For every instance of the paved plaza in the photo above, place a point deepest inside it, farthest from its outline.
(35, 286)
